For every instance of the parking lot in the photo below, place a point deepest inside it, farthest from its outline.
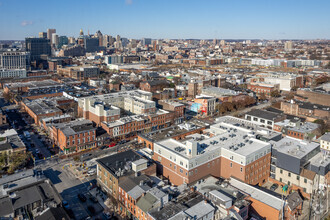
(69, 186)
(21, 122)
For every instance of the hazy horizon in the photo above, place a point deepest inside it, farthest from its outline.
(193, 19)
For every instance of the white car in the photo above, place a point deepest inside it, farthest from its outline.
(91, 172)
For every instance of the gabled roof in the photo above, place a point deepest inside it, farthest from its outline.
(294, 200)
(308, 174)
(146, 202)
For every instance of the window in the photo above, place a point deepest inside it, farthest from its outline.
(231, 164)
(241, 169)
(280, 179)
(289, 174)
(255, 119)
(298, 178)
(289, 183)
(269, 122)
(305, 180)
(281, 171)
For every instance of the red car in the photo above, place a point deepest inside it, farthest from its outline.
(112, 144)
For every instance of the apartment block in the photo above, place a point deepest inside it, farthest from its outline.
(13, 59)
(79, 72)
(98, 111)
(264, 118)
(74, 136)
(111, 170)
(227, 149)
(289, 159)
(297, 129)
(263, 88)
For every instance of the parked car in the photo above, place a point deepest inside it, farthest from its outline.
(65, 204)
(274, 187)
(82, 197)
(107, 215)
(91, 172)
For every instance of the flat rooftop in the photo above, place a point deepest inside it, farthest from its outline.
(263, 114)
(175, 130)
(34, 84)
(74, 127)
(119, 161)
(235, 139)
(294, 147)
(39, 107)
(320, 160)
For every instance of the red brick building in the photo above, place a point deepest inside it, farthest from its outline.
(154, 85)
(265, 89)
(74, 136)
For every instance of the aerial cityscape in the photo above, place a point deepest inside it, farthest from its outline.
(156, 110)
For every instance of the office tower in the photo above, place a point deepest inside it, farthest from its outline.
(55, 39)
(288, 45)
(62, 40)
(146, 41)
(13, 59)
(99, 36)
(37, 47)
(50, 32)
(124, 42)
(222, 42)
(106, 40)
(117, 44)
(113, 59)
(72, 40)
(42, 34)
(91, 44)
(215, 41)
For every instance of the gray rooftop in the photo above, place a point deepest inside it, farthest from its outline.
(257, 194)
(294, 147)
(200, 209)
(263, 114)
(325, 137)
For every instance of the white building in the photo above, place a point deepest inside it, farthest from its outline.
(325, 142)
(12, 59)
(135, 101)
(12, 73)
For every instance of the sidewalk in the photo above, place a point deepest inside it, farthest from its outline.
(103, 200)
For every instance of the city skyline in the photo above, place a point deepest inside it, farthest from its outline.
(173, 20)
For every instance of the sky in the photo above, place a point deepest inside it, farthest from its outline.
(168, 19)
